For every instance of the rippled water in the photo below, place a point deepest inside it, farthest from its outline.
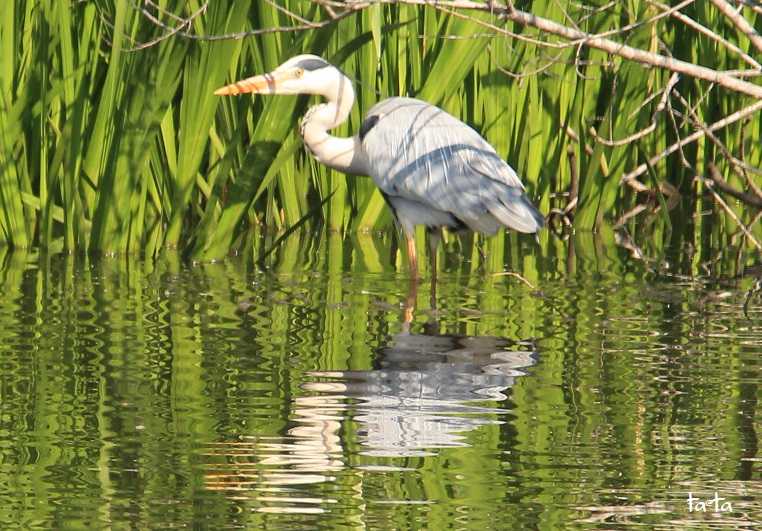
(163, 394)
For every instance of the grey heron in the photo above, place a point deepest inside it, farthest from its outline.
(431, 168)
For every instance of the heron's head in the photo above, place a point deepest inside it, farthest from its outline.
(303, 74)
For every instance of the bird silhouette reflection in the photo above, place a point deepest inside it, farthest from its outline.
(426, 390)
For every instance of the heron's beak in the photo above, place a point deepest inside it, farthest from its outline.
(263, 84)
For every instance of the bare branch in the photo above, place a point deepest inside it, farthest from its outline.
(509, 12)
(635, 54)
(738, 165)
(688, 21)
(575, 37)
(635, 25)
(740, 22)
(333, 17)
(731, 118)
(651, 127)
(171, 31)
(722, 184)
(729, 212)
(754, 5)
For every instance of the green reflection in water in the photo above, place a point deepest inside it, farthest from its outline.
(159, 394)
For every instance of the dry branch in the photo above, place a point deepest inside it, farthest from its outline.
(651, 126)
(739, 22)
(732, 214)
(716, 178)
(576, 37)
(731, 118)
(688, 21)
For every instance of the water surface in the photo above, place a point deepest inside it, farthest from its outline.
(596, 392)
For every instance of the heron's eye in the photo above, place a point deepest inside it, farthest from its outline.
(298, 73)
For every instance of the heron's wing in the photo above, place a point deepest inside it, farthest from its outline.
(420, 153)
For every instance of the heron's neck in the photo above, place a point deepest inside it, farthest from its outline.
(342, 154)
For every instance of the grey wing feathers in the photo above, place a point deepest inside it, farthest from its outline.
(420, 153)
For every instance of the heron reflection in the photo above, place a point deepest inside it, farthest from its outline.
(427, 390)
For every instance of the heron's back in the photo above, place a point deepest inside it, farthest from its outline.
(421, 154)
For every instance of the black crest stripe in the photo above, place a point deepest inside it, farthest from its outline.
(312, 64)
(368, 124)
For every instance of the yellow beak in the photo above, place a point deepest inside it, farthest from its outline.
(263, 84)
(256, 84)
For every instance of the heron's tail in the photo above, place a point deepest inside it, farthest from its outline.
(513, 209)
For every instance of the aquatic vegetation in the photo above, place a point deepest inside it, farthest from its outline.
(111, 138)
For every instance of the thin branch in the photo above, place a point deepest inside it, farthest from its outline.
(754, 5)
(651, 20)
(172, 31)
(738, 165)
(349, 9)
(673, 121)
(493, 27)
(651, 127)
(509, 12)
(729, 212)
(740, 22)
(688, 21)
(634, 54)
(516, 75)
(288, 12)
(513, 274)
(594, 41)
(161, 10)
(722, 184)
(731, 118)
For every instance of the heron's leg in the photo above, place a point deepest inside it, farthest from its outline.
(412, 295)
(435, 236)
(411, 255)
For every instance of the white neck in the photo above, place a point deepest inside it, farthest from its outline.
(342, 154)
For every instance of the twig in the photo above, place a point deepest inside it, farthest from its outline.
(484, 24)
(171, 31)
(540, 70)
(729, 212)
(349, 9)
(651, 127)
(651, 20)
(512, 274)
(688, 21)
(637, 209)
(524, 18)
(673, 121)
(738, 165)
(635, 54)
(288, 12)
(509, 12)
(746, 197)
(754, 5)
(740, 22)
(731, 118)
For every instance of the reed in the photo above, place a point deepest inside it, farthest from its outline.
(110, 146)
